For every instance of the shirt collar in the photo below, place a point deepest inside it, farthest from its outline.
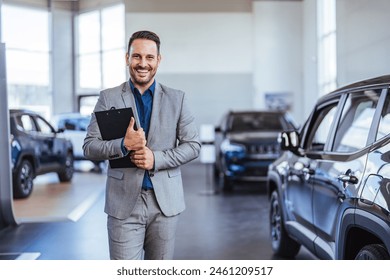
(150, 89)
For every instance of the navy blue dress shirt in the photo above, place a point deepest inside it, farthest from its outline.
(144, 104)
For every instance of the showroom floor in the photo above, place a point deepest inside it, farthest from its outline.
(67, 222)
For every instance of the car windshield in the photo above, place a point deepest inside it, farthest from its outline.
(83, 123)
(80, 123)
(256, 122)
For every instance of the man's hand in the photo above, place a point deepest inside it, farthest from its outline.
(134, 139)
(143, 158)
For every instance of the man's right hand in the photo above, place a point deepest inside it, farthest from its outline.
(134, 139)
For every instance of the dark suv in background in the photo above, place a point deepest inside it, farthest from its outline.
(246, 143)
(36, 148)
(330, 190)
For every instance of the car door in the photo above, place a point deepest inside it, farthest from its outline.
(339, 172)
(50, 146)
(299, 189)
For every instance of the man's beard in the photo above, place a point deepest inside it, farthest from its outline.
(145, 80)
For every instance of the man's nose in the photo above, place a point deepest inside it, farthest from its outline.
(142, 62)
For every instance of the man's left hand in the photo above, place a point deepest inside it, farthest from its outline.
(143, 158)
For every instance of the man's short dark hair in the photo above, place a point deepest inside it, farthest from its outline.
(144, 34)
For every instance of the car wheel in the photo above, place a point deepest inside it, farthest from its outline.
(282, 244)
(221, 181)
(215, 172)
(67, 173)
(373, 252)
(23, 180)
(226, 183)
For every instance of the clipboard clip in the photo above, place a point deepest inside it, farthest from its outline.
(112, 108)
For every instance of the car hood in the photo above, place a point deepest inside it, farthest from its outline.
(251, 137)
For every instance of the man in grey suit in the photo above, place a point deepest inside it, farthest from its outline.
(143, 203)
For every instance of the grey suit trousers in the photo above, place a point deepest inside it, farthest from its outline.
(146, 234)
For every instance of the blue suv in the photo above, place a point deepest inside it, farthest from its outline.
(36, 148)
(246, 143)
(330, 190)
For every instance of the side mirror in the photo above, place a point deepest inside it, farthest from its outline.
(218, 129)
(289, 141)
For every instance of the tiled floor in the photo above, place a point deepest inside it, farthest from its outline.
(67, 222)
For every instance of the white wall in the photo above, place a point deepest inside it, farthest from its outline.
(278, 64)
(309, 94)
(226, 54)
(199, 42)
(224, 59)
(62, 61)
(208, 55)
(363, 39)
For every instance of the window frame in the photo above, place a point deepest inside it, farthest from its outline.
(374, 120)
(339, 100)
(100, 53)
(377, 116)
(327, 153)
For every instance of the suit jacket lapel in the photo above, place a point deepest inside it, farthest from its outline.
(129, 101)
(154, 120)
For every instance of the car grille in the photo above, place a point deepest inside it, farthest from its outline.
(266, 148)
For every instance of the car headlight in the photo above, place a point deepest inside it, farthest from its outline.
(227, 146)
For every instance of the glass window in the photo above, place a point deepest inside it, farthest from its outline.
(89, 32)
(384, 123)
(327, 56)
(43, 126)
(89, 71)
(101, 49)
(25, 123)
(113, 68)
(113, 23)
(256, 122)
(15, 33)
(87, 104)
(26, 34)
(36, 73)
(355, 122)
(320, 128)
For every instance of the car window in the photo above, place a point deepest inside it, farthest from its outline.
(25, 123)
(79, 124)
(70, 124)
(320, 128)
(256, 122)
(355, 122)
(44, 127)
(384, 123)
(83, 123)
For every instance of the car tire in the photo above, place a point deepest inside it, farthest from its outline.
(282, 244)
(67, 173)
(226, 183)
(23, 180)
(373, 252)
(221, 181)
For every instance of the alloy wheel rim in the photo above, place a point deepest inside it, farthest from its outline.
(275, 222)
(69, 165)
(25, 178)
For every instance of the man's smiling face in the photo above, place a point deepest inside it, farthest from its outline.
(143, 60)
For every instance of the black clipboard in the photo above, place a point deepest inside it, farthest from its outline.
(113, 125)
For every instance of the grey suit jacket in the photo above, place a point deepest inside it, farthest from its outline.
(173, 138)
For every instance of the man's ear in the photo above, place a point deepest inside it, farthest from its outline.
(127, 59)
(159, 57)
